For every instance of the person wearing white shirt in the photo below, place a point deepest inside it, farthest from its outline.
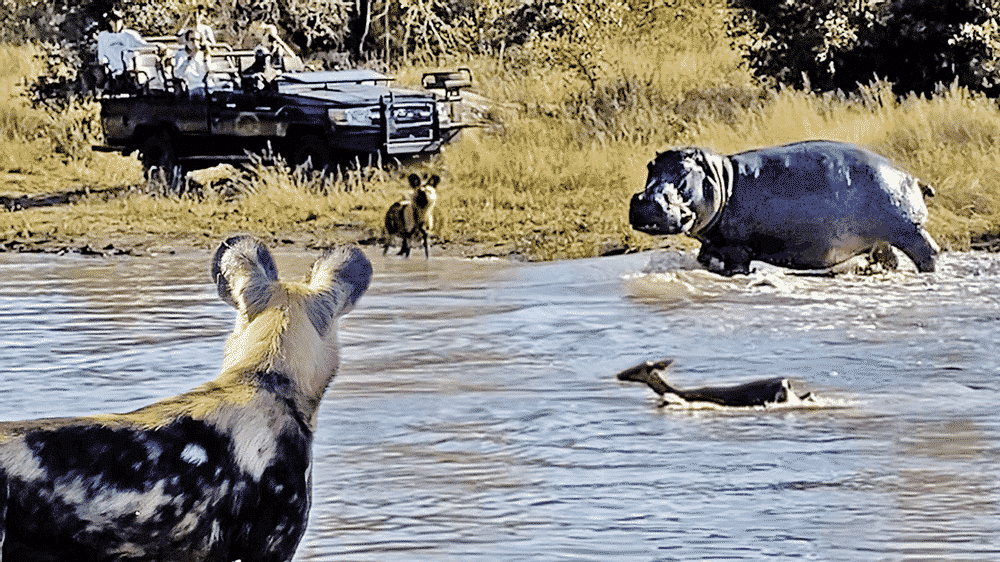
(115, 48)
(190, 63)
(203, 29)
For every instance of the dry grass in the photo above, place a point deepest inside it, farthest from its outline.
(554, 179)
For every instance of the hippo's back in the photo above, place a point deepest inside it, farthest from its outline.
(815, 203)
(796, 169)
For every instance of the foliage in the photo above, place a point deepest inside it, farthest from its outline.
(575, 36)
(312, 25)
(538, 34)
(826, 45)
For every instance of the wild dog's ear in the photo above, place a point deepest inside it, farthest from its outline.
(434, 180)
(337, 281)
(414, 181)
(244, 273)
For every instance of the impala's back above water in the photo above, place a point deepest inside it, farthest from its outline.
(216, 474)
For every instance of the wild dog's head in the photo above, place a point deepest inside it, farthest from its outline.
(685, 190)
(424, 193)
(287, 327)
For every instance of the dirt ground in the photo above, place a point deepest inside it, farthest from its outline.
(111, 244)
(143, 244)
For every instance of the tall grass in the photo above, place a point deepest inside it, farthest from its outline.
(37, 143)
(553, 177)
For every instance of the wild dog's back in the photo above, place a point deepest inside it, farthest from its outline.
(219, 473)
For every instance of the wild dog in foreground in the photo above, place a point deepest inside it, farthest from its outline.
(216, 474)
(413, 216)
(756, 393)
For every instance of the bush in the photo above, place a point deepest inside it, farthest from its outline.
(826, 45)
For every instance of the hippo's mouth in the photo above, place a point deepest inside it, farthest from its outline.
(647, 215)
(653, 228)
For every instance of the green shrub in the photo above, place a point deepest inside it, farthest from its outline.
(827, 45)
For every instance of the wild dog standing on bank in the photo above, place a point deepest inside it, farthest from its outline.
(412, 216)
(217, 474)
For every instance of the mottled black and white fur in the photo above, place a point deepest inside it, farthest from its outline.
(219, 473)
(412, 216)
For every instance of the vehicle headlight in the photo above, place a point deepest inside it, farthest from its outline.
(354, 116)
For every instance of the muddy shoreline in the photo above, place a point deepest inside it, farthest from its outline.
(119, 244)
(113, 242)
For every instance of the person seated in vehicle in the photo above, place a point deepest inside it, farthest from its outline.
(261, 73)
(203, 29)
(282, 56)
(116, 49)
(191, 62)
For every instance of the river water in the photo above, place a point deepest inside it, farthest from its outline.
(477, 416)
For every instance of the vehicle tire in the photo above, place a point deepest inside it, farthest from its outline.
(314, 150)
(159, 164)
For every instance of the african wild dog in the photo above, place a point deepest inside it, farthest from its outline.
(217, 474)
(412, 216)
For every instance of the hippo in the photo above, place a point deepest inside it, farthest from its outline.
(764, 392)
(806, 205)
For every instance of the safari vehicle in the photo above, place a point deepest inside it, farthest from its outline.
(320, 117)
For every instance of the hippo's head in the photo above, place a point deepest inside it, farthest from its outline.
(685, 190)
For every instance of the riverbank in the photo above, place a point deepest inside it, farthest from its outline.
(551, 178)
(125, 220)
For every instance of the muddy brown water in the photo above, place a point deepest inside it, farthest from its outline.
(477, 415)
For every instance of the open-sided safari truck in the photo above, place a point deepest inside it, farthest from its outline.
(323, 117)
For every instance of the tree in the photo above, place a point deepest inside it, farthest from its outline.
(826, 45)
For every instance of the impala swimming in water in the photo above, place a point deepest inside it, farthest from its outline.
(763, 392)
(219, 473)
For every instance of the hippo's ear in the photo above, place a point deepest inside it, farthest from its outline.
(414, 181)
(336, 282)
(244, 273)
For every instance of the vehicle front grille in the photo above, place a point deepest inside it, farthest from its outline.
(411, 121)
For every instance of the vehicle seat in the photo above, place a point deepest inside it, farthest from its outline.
(147, 69)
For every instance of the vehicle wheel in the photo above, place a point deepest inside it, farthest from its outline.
(314, 150)
(159, 162)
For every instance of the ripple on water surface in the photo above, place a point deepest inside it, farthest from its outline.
(477, 416)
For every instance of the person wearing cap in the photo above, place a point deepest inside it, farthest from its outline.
(281, 56)
(115, 48)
